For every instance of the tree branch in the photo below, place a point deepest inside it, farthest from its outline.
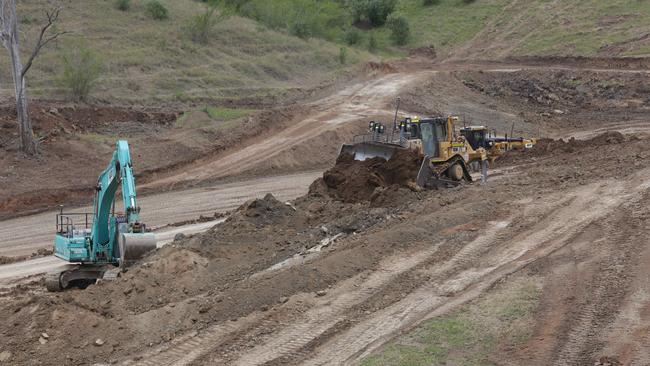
(52, 17)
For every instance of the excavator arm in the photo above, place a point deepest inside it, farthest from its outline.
(111, 239)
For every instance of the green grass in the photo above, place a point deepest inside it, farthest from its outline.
(97, 139)
(155, 61)
(448, 24)
(571, 28)
(503, 317)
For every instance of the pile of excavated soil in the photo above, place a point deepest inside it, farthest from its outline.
(353, 181)
(606, 138)
(546, 147)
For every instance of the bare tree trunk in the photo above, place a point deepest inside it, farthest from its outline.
(27, 142)
(9, 33)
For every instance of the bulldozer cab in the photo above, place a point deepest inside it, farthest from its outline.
(476, 136)
(431, 131)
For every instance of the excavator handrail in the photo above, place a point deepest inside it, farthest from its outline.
(66, 220)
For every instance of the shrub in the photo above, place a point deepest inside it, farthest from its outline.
(399, 29)
(468, 1)
(300, 29)
(343, 55)
(352, 37)
(81, 69)
(372, 44)
(123, 5)
(374, 11)
(200, 26)
(157, 10)
(430, 2)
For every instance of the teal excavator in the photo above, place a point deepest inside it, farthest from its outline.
(101, 247)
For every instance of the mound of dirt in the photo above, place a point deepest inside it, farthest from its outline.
(353, 181)
(606, 138)
(546, 147)
(263, 212)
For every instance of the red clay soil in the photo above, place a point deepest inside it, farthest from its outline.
(353, 181)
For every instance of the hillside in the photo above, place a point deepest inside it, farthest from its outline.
(562, 28)
(147, 60)
(255, 56)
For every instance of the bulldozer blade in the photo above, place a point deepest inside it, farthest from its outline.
(368, 150)
(134, 246)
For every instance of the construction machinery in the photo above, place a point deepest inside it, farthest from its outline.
(98, 244)
(482, 137)
(446, 156)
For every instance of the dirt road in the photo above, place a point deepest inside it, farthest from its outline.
(353, 103)
(436, 88)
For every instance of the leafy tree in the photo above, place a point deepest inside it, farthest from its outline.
(352, 37)
(375, 12)
(400, 31)
(200, 26)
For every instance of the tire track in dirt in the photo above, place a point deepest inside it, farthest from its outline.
(290, 343)
(321, 318)
(500, 251)
(580, 344)
(447, 292)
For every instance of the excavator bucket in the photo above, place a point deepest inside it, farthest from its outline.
(368, 150)
(134, 246)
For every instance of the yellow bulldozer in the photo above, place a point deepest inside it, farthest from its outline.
(446, 155)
